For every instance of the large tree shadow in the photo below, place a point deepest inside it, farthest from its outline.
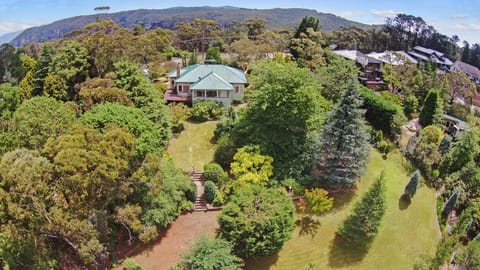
(308, 226)
(343, 254)
(403, 202)
(342, 198)
(262, 263)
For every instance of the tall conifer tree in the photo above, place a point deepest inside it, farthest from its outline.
(343, 145)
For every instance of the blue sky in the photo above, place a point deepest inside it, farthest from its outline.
(460, 17)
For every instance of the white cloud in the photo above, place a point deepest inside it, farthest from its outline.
(458, 16)
(7, 27)
(351, 14)
(384, 13)
(465, 26)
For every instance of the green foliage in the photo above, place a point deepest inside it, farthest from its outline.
(40, 118)
(225, 125)
(432, 111)
(41, 70)
(381, 113)
(226, 149)
(9, 100)
(451, 202)
(462, 153)
(179, 113)
(210, 254)
(426, 154)
(213, 53)
(151, 137)
(206, 109)
(55, 86)
(307, 22)
(412, 185)
(214, 172)
(318, 201)
(284, 111)
(130, 264)
(469, 257)
(257, 221)
(343, 144)
(71, 64)
(410, 105)
(363, 223)
(162, 193)
(335, 76)
(210, 191)
(249, 166)
(392, 98)
(98, 90)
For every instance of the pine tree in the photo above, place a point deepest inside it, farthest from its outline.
(361, 226)
(452, 201)
(343, 145)
(411, 187)
(431, 113)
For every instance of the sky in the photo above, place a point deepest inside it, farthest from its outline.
(449, 17)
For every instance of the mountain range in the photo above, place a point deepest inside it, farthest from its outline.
(277, 18)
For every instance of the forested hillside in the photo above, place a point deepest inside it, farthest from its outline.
(278, 18)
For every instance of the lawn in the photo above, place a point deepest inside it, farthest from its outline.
(406, 233)
(192, 148)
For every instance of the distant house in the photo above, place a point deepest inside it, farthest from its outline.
(422, 54)
(371, 64)
(370, 67)
(206, 82)
(472, 72)
(394, 58)
(454, 126)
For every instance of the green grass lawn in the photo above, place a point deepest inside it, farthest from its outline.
(192, 148)
(405, 234)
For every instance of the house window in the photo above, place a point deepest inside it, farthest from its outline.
(212, 94)
(180, 87)
(237, 89)
(199, 94)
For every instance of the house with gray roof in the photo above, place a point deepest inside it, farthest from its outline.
(423, 54)
(472, 72)
(206, 82)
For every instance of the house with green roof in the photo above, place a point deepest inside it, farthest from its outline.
(206, 82)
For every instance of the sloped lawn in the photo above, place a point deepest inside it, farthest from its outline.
(407, 231)
(192, 148)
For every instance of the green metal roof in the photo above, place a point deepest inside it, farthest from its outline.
(183, 71)
(212, 82)
(194, 73)
(460, 123)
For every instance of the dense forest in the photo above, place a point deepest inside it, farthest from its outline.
(84, 132)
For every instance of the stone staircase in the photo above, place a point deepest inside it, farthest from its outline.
(200, 203)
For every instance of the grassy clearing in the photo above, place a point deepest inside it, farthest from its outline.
(407, 231)
(192, 148)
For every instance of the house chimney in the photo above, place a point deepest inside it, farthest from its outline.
(179, 67)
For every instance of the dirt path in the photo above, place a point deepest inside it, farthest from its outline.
(165, 252)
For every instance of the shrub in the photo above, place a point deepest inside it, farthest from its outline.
(205, 109)
(191, 193)
(451, 203)
(209, 254)
(411, 187)
(362, 224)
(130, 264)
(210, 190)
(382, 114)
(226, 149)
(297, 188)
(214, 172)
(257, 221)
